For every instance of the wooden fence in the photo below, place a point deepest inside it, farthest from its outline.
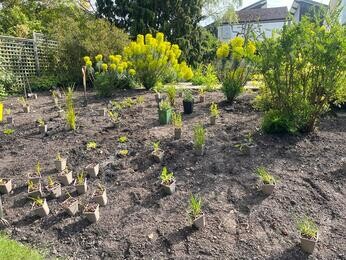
(26, 58)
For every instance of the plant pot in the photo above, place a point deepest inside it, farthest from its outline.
(199, 222)
(32, 95)
(201, 99)
(188, 107)
(168, 189)
(100, 198)
(158, 156)
(177, 133)
(40, 211)
(35, 193)
(101, 112)
(200, 150)
(34, 178)
(308, 244)
(26, 109)
(213, 120)
(65, 178)
(92, 212)
(10, 120)
(60, 165)
(81, 188)
(43, 129)
(140, 109)
(165, 116)
(6, 187)
(93, 169)
(268, 188)
(71, 206)
(55, 191)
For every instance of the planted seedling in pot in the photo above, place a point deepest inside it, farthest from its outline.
(201, 95)
(309, 234)
(35, 177)
(195, 212)
(165, 112)
(214, 113)
(171, 93)
(24, 104)
(92, 212)
(167, 181)
(113, 117)
(42, 126)
(65, 177)
(188, 102)
(267, 179)
(140, 102)
(34, 189)
(5, 186)
(177, 124)
(100, 195)
(70, 205)
(54, 188)
(199, 139)
(60, 163)
(9, 118)
(40, 207)
(157, 154)
(93, 169)
(81, 183)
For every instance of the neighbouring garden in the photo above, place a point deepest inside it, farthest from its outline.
(138, 143)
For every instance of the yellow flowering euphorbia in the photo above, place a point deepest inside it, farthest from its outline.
(152, 56)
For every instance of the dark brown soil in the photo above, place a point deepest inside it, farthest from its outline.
(140, 222)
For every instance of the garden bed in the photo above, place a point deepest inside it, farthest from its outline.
(140, 222)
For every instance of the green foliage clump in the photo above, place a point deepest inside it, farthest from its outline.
(195, 206)
(44, 82)
(165, 105)
(91, 145)
(205, 75)
(171, 94)
(166, 177)
(199, 136)
(177, 120)
(8, 131)
(307, 228)
(70, 113)
(277, 122)
(214, 111)
(265, 176)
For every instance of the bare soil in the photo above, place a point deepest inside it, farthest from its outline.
(140, 222)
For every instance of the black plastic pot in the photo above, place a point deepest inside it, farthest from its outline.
(188, 107)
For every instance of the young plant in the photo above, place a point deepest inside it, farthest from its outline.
(201, 91)
(188, 97)
(265, 176)
(38, 169)
(38, 201)
(41, 122)
(80, 178)
(199, 136)
(195, 206)
(122, 139)
(171, 94)
(32, 186)
(8, 131)
(50, 182)
(23, 101)
(140, 100)
(91, 145)
(214, 111)
(156, 146)
(7, 111)
(123, 152)
(70, 114)
(164, 105)
(177, 120)
(113, 116)
(249, 138)
(166, 177)
(307, 228)
(58, 157)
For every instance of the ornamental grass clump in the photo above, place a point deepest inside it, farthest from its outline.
(309, 234)
(70, 112)
(152, 57)
(199, 138)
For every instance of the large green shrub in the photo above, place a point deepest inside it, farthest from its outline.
(303, 70)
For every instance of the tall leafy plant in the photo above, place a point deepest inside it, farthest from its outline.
(70, 112)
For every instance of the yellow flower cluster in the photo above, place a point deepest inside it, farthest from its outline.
(185, 72)
(99, 57)
(87, 61)
(236, 49)
(222, 51)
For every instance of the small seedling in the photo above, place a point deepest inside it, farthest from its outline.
(32, 186)
(249, 138)
(122, 139)
(123, 152)
(265, 176)
(91, 145)
(58, 157)
(201, 91)
(80, 178)
(38, 201)
(214, 111)
(156, 146)
(8, 131)
(199, 136)
(140, 100)
(307, 228)
(171, 93)
(127, 102)
(50, 182)
(166, 177)
(38, 168)
(113, 116)
(165, 105)
(177, 120)
(40, 122)
(116, 105)
(195, 206)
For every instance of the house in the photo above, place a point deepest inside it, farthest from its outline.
(304, 7)
(334, 3)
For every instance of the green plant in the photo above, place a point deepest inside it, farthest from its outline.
(31, 185)
(278, 122)
(70, 114)
(156, 146)
(128, 102)
(164, 105)
(206, 76)
(91, 145)
(177, 120)
(140, 100)
(201, 91)
(23, 101)
(195, 206)
(38, 168)
(265, 176)
(44, 82)
(307, 228)
(58, 157)
(113, 116)
(249, 138)
(80, 178)
(171, 94)
(199, 136)
(40, 122)
(122, 139)
(123, 152)
(50, 182)
(188, 97)
(166, 177)
(7, 111)
(214, 111)
(8, 131)
(38, 201)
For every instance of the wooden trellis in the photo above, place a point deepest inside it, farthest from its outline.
(26, 58)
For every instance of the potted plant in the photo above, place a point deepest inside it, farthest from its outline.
(167, 181)
(214, 113)
(157, 154)
(165, 112)
(267, 179)
(40, 207)
(81, 183)
(171, 94)
(42, 126)
(25, 105)
(113, 117)
(70, 205)
(123, 153)
(178, 124)
(92, 212)
(188, 102)
(93, 169)
(100, 195)
(35, 176)
(65, 177)
(246, 145)
(195, 212)
(5, 186)
(199, 139)
(201, 95)
(101, 112)
(140, 102)
(9, 118)
(54, 188)
(60, 163)
(34, 189)
(309, 234)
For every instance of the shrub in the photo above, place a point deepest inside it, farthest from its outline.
(44, 82)
(152, 57)
(276, 122)
(8, 83)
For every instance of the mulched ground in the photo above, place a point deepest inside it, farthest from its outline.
(140, 222)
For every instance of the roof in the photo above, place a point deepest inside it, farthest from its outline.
(266, 14)
(259, 4)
